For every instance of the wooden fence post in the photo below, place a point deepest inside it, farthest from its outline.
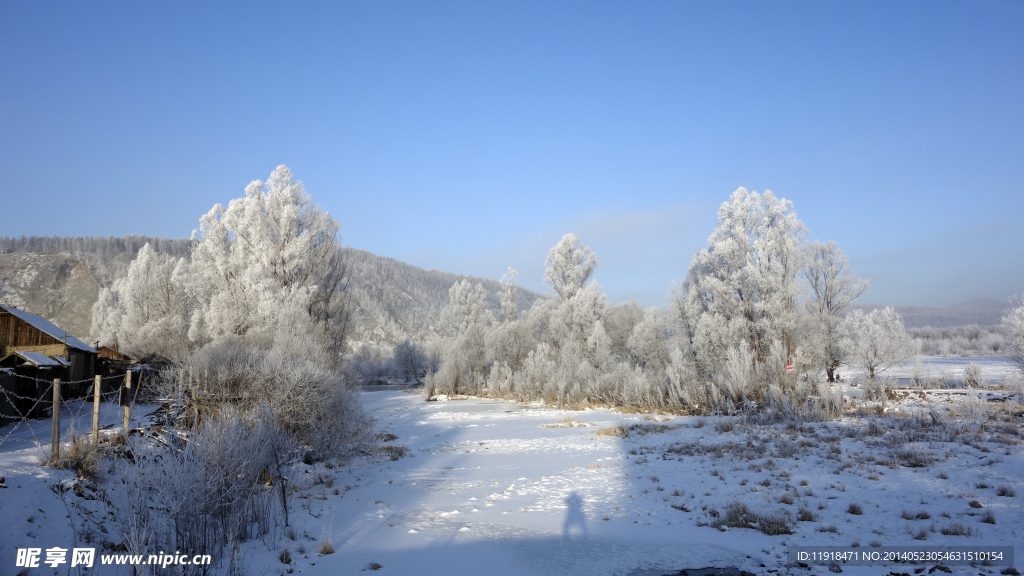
(127, 399)
(55, 443)
(96, 409)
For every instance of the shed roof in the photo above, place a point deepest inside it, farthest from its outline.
(48, 328)
(38, 358)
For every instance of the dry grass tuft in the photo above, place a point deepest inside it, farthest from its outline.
(957, 529)
(567, 422)
(81, 455)
(394, 452)
(616, 431)
(326, 548)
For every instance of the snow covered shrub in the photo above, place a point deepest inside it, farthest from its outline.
(879, 389)
(775, 523)
(205, 494)
(973, 409)
(326, 547)
(829, 400)
(638, 391)
(737, 515)
(310, 401)
(972, 376)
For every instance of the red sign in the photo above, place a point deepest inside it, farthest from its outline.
(789, 367)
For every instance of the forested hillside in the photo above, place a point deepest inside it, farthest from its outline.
(394, 300)
(59, 277)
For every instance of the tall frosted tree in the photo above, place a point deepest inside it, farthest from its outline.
(569, 265)
(581, 343)
(268, 251)
(464, 361)
(509, 294)
(268, 262)
(741, 291)
(832, 287)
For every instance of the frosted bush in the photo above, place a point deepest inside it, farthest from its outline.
(972, 376)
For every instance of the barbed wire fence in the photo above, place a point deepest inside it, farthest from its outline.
(25, 399)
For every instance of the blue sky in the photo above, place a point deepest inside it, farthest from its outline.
(470, 136)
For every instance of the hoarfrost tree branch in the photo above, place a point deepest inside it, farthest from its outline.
(832, 288)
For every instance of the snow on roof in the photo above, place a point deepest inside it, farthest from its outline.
(38, 358)
(49, 328)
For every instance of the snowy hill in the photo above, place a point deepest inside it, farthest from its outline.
(395, 300)
(59, 278)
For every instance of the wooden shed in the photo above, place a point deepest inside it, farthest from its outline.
(23, 332)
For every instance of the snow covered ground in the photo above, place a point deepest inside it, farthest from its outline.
(492, 487)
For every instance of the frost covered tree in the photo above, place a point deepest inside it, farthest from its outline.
(876, 341)
(1014, 322)
(148, 310)
(569, 265)
(580, 340)
(265, 252)
(620, 323)
(832, 287)
(509, 295)
(648, 344)
(741, 291)
(269, 254)
(410, 359)
(464, 361)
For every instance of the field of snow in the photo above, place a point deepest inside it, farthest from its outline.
(492, 487)
(995, 370)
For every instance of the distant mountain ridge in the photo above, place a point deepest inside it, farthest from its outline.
(980, 311)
